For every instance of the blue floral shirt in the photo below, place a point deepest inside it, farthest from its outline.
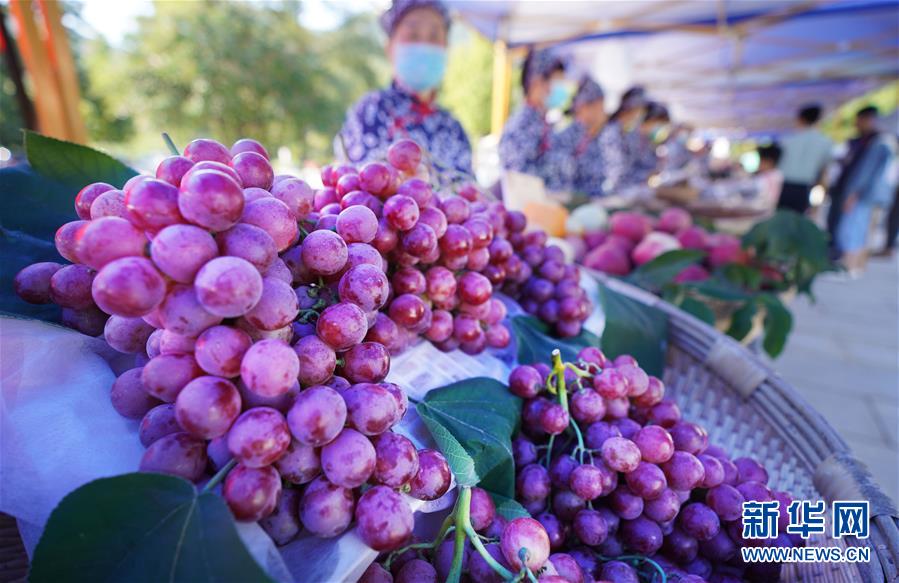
(526, 147)
(590, 163)
(617, 164)
(381, 117)
(643, 158)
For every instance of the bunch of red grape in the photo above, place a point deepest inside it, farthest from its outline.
(184, 271)
(610, 469)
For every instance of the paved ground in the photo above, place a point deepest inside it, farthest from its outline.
(843, 356)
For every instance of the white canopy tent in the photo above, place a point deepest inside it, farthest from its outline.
(735, 66)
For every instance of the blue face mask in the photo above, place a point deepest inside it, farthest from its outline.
(419, 66)
(558, 95)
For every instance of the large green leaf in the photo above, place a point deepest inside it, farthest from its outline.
(778, 323)
(699, 309)
(32, 207)
(664, 268)
(472, 422)
(634, 328)
(142, 527)
(535, 344)
(741, 321)
(719, 288)
(73, 164)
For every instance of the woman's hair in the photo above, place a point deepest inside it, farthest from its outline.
(655, 111)
(633, 98)
(539, 63)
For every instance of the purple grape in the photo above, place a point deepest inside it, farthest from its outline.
(560, 470)
(566, 504)
(371, 409)
(641, 535)
(598, 433)
(177, 454)
(663, 508)
(590, 527)
(478, 568)
(680, 546)
(618, 572)
(384, 520)
(349, 459)
(625, 503)
(533, 483)
(683, 471)
(555, 529)
(324, 252)
(620, 454)
(326, 509)
(713, 471)
(528, 534)
(751, 470)
(317, 360)
(396, 460)
(481, 510)
(157, 423)
(726, 501)
(299, 464)
(251, 493)
(655, 443)
(587, 406)
(317, 416)
(699, 521)
(587, 482)
(283, 524)
(342, 325)
(647, 481)
(689, 437)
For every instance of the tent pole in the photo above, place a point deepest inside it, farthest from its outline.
(67, 76)
(502, 87)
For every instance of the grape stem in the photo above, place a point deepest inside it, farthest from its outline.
(171, 145)
(461, 516)
(219, 476)
(562, 392)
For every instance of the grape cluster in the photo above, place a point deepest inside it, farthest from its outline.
(622, 484)
(254, 321)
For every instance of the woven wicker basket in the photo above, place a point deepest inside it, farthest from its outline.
(748, 409)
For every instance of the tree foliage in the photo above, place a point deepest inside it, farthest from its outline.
(468, 85)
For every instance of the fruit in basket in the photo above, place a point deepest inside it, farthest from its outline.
(655, 486)
(653, 245)
(266, 314)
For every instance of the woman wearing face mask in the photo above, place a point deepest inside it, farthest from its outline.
(620, 135)
(525, 145)
(644, 160)
(417, 39)
(590, 150)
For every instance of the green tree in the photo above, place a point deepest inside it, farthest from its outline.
(468, 85)
(233, 69)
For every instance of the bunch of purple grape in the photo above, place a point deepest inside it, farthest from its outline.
(622, 484)
(237, 368)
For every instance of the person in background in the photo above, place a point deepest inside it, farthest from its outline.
(416, 47)
(643, 158)
(806, 154)
(889, 246)
(625, 119)
(768, 179)
(526, 141)
(677, 154)
(863, 184)
(586, 149)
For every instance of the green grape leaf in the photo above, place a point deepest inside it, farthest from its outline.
(741, 321)
(634, 328)
(664, 268)
(472, 422)
(509, 508)
(142, 527)
(699, 309)
(778, 323)
(73, 164)
(535, 344)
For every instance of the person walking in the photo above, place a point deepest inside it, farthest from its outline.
(862, 185)
(805, 156)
